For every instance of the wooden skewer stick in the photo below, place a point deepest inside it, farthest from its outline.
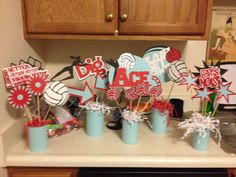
(205, 106)
(202, 107)
(214, 112)
(168, 97)
(46, 115)
(102, 97)
(28, 113)
(149, 101)
(130, 105)
(38, 105)
(191, 93)
(139, 100)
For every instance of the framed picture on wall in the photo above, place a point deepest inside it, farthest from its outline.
(222, 44)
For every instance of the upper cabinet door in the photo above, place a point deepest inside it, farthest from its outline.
(162, 16)
(70, 16)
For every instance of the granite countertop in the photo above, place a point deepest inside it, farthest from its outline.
(76, 149)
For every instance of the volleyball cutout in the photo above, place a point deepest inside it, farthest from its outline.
(173, 55)
(177, 70)
(127, 61)
(55, 94)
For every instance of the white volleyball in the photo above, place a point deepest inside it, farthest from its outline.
(55, 94)
(127, 61)
(176, 70)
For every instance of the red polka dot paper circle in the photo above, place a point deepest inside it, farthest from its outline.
(36, 84)
(19, 97)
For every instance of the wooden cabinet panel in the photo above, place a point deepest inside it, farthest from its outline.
(144, 20)
(42, 172)
(69, 16)
(163, 16)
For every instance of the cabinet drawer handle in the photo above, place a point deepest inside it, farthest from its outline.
(124, 17)
(109, 17)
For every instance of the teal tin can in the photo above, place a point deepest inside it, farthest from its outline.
(130, 132)
(95, 123)
(200, 142)
(159, 121)
(38, 138)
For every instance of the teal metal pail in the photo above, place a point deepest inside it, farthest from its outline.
(201, 143)
(130, 132)
(95, 123)
(38, 138)
(159, 121)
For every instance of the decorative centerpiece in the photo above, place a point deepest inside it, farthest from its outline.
(29, 90)
(160, 117)
(200, 127)
(24, 82)
(141, 78)
(207, 82)
(36, 128)
(130, 126)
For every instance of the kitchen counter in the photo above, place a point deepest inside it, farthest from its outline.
(76, 149)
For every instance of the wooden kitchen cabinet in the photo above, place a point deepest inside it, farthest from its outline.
(69, 16)
(117, 19)
(163, 16)
(42, 172)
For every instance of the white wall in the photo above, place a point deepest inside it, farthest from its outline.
(12, 48)
(13, 45)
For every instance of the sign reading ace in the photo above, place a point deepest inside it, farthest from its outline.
(132, 79)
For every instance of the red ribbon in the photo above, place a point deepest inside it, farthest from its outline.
(163, 106)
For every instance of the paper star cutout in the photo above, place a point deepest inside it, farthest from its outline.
(224, 91)
(203, 94)
(189, 80)
(205, 66)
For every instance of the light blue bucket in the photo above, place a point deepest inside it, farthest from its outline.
(38, 138)
(159, 121)
(95, 123)
(200, 143)
(130, 132)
